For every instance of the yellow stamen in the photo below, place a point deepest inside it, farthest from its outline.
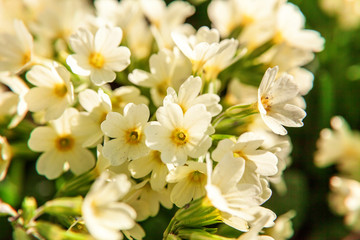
(238, 154)
(265, 101)
(278, 38)
(179, 137)
(247, 20)
(96, 60)
(197, 177)
(26, 58)
(133, 136)
(60, 90)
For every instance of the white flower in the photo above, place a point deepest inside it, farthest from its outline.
(141, 167)
(53, 91)
(60, 145)
(189, 96)
(346, 12)
(238, 203)
(19, 89)
(198, 48)
(290, 60)
(146, 201)
(247, 149)
(123, 95)
(16, 50)
(58, 19)
(274, 102)
(128, 15)
(340, 146)
(224, 57)
(177, 135)
(253, 233)
(166, 19)
(228, 15)
(167, 69)
(5, 157)
(283, 228)
(290, 24)
(98, 56)
(97, 106)
(189, 180)
(103, 213)
(128, 133)
(344, 199)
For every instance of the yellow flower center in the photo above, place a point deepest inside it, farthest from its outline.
(278, 38)
(26, 58)
(238, 154)
(60, 90)
(247, 20)
(65, 143)
(265, 101)
(180, 137)
(133, 136)
(96, 60)
(197, 177)
(102, 117)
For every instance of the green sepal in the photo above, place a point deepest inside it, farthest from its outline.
(64, 206)
(54, 232)
(29, 206)
(20, 234)
(78, 185)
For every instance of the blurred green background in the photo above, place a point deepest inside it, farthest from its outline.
(336, 92)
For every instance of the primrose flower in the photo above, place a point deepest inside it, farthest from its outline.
(53, 91)
(98, 56)
(150, 163)
(274, 102)
(189, 96)
(5, 157)
(123, 95)
(146, 201)
(290, 24)
(60, 145)
(178, 135)
(97, 106)
(167, 69)
(247, 149)
(19, 90)
(166, 19)
(239, 204)
(16, 50)
(198, 48)
(104, 215)
(189, 180)
(128, 133)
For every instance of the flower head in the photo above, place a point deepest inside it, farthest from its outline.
(128, 133)
(103, 214)
(189, 96)
(16, 50)
(274, 102)
(177, 135)
(60, 145)
(98, 56)
(53, 85)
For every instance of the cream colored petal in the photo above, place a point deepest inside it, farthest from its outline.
(102, 76)
(81, 160)
(116, 151)
(42, 139)
(50, 164)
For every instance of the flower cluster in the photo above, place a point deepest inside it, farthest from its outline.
(129, 99)
(340, 146)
